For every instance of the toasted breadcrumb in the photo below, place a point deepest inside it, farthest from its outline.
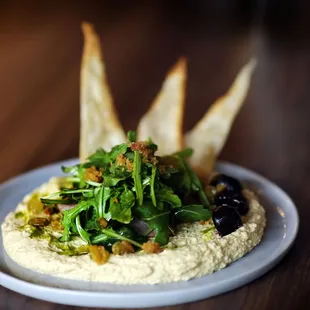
(147, 153)
(151, 247)
(92, 174)
(98, 254)
(122, 161)
(205, 222)
(102, 222)
(122, 247)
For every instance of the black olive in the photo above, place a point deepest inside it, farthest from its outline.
(226, 220)
(230, 199)
(230, 183)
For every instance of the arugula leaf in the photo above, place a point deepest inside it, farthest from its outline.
(74, 170)
(100, 156)
(91, 220)
(89, 194)
(110, 181)
(161, 226)
(130, 234)
(66, 196)
(120, 209)
(109, 239)
(77, 171)
(166, 194)
(132, 136)
(102, 196)
(137, 176)
(120, 172)
(151, 145)
(152, 184)
(108, 233)
(184, 153)
(176, 175)
(83, 234)
(146, 182)
(130, 155)
(193, 213)
(73, 228)
(70, 215)
(197, 186)
(103, 158)
(47, 201)
(100, 238)
(127, 198)
(117, 150)
(93, 183)
(184, 181)
(75, 191)
(156, 219)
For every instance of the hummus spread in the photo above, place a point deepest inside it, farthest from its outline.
(195, 251)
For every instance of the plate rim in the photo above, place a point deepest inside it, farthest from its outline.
(18, 285)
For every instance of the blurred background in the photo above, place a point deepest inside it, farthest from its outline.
(40, 53)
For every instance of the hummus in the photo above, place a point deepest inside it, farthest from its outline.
(195, 251)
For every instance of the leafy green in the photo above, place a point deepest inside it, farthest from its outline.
(91, 220)
(117, 150)
(197, 186)
(93, 183)
(110, 233)
(176, 175)
(110, 181)
(166, 194)
(157, 220)
(192, 213)
(184, 153)
(137, 177)
(100, 156)
(102, 195)
(120, 208)
(55, 198)
(152, 146)
(70, 215)
(77, 171)
(132, 136)
(152, 184)
(74, 170)
(83, 234)
(56, 201)
(114, 187)
(76, 191)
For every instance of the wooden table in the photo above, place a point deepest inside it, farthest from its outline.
(40, 51)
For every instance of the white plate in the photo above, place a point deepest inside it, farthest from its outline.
(282, 226)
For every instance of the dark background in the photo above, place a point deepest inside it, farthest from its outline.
(40, 52)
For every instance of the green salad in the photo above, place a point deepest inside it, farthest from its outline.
(129, 194)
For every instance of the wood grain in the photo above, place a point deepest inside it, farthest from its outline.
(40, 50)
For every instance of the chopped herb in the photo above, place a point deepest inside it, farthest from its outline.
(19, 215)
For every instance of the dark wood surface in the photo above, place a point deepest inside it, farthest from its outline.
(40, 51)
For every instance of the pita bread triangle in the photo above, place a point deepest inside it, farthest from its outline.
(163, 122)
